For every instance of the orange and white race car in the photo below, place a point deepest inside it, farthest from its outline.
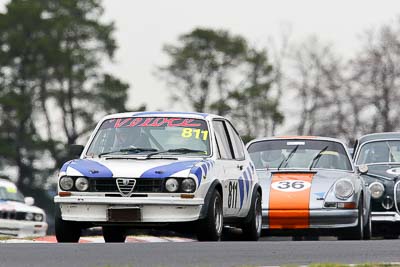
(311, 188)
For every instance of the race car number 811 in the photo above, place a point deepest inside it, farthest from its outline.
(291, 185)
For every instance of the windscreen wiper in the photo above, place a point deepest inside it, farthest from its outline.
(133, 150)
(286, 160)
(317, 157)
(182, 150)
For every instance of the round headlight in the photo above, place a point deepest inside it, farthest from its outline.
(344, 189)
(28, 216)
(82, 184)
(38, 217)
(188, 185)
(66, 183)
(171, 185)
(377, 189)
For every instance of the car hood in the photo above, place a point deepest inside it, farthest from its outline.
(137, 168)
(384, 171)
(326, 176)
(19, 207)
(320, 184)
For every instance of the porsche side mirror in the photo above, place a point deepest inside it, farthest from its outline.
(29, 201)
(363, 169)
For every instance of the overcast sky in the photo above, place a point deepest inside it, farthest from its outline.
(143, 27)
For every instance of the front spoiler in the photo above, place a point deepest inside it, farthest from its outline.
(325, 218)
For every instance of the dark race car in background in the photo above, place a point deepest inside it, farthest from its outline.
(379, 155)
(310, 188)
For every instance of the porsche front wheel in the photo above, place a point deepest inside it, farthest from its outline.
(252, 229)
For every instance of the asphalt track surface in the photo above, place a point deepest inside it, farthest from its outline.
(262, 253)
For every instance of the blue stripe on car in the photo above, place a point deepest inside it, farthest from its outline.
(241, 191)
(65, 166)
(165, 171)
(91, 168)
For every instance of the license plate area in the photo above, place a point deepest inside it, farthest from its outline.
(124, 214)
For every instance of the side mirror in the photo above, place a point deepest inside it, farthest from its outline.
(29, 201)
(363, 169)
(75, 151)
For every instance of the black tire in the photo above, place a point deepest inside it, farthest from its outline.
(391, 236)
(297, 238)
(356, 232)
(252, 229)
(368, 227)
(114, 234)
(210, 228)
(66, 231)
(311, 238)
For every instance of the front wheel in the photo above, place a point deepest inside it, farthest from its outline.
(66, 231)
(252, 229)
(113, 234)
(357, 232)
(368, 226)
(210, 228)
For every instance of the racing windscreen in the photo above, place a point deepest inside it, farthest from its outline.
(151, 136)
(299, 154)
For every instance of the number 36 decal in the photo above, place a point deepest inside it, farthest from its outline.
(290, 185)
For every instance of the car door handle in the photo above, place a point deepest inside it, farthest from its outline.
(240, 167)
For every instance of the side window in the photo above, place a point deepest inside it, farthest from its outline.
(222, 140)
(237, 143)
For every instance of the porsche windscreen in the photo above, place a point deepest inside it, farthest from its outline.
(299, 154)
(151, 136)
(379, 152)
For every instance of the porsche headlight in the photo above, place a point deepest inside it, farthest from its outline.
(344, 189)
(377, 189)
(172, 185)
(66, 183)
(188, 185)
(82, 184)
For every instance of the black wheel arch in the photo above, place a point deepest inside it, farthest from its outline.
(215, 185)
(256, 189)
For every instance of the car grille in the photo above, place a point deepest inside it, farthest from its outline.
(12, 215)
(143, 185)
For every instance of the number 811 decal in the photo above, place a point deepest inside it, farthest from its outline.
(291, 185)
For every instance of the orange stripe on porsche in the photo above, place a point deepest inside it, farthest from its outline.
(289, 210)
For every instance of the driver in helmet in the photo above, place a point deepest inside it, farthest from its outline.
(272, 158)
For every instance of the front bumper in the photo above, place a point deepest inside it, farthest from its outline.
(22, 229)
(153, 209)
(385, 216)
(317, 219)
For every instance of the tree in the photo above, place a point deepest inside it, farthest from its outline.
(215, 71)
(52, 87)
(377, 78)
(319, 84)
(200, 65)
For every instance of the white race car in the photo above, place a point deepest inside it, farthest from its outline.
(18, 216)
(150, 169)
